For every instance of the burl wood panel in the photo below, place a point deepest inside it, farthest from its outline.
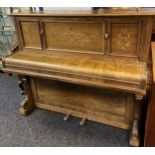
(31, 34)
(124, 39)
(75, 36)
(110, 107)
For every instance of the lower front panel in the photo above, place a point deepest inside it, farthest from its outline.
(104, 106)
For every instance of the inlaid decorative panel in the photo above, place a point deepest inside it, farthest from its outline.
(75, 36)
(124, 39)
(31, 34)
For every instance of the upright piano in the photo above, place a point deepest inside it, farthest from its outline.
(91, 65)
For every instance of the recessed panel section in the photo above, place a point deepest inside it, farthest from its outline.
(124, 39)
(74, 36)
(31, 34)
(110, 107)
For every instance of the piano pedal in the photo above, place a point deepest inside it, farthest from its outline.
(66, 117)
(83, 121)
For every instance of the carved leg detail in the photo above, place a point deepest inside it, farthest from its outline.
(26, 107)
(21, 86)
(135, 135)
(27, 104)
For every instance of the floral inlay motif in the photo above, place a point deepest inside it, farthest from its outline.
(124, 39)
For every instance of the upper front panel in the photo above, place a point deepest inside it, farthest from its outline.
(116, 37)
(30, 34)
(74, 36)
(124, 37)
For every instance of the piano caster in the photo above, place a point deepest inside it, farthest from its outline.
(83, 121)
(66, 117)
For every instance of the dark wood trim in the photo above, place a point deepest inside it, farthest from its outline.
(149, 139)
(150, 121)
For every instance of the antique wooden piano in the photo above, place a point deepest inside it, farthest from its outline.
(91, 65)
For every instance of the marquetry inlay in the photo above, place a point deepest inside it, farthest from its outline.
(124, 39)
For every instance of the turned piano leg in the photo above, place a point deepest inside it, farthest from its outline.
(27, 104)
(135, 129)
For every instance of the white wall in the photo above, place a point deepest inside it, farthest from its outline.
(67, 8)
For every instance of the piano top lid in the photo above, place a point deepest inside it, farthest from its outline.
(125, 11)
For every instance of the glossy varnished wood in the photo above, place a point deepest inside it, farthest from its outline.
(89, 65)
(84, 69)
(149, 139)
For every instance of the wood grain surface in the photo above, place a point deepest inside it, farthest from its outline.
(75, 36)
(31, 35)
(116, 74)
(89, 65)
(87, 101)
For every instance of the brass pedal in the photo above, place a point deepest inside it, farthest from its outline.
(66, 117)
(83, 121)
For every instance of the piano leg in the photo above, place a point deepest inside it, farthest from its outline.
(28, 104)
(135, 135)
